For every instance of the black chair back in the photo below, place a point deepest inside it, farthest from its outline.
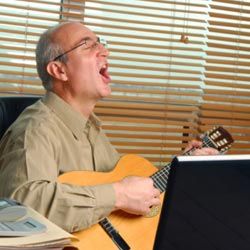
(11, 107)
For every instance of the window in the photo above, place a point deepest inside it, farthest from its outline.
(169, 61)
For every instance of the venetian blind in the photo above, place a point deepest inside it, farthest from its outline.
(156, 63)
(227, 93)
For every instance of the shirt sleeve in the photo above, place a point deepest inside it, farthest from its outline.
(29, 174)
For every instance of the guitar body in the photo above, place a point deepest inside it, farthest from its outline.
(138, 231)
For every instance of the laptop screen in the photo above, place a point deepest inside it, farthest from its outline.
(206, 205)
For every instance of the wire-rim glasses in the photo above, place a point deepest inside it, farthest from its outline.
(89, 43)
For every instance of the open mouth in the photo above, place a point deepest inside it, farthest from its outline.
(104, 73)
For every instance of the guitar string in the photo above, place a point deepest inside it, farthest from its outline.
(157, 177)
(160, 178)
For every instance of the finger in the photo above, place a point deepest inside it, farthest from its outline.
(156, 192)
(206, 151)
(156, 202)
(211, 151)
(193, 144)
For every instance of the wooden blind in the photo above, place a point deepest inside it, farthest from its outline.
(226, 98)
(21, 24)
(156, 73)
(156, 63)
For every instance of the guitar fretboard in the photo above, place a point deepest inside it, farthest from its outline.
(160, 178)
(114, 234)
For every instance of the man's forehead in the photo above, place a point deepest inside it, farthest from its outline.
(73, 29)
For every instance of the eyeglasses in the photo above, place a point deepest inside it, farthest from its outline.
(89, 43)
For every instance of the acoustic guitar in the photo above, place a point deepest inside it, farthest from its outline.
(135, 232)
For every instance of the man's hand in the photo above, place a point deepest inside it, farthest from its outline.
(136, 195)
(198, 150)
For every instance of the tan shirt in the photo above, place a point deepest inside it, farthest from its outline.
(50, 138)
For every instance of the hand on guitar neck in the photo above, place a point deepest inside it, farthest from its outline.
(137, 195)
(195, 147)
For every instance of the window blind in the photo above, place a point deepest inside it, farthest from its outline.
(156, 75)
(226, 98)
(21, 24)
(157, 57)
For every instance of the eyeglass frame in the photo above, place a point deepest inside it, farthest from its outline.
(98, 41)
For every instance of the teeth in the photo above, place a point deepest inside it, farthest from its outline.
(104, 66)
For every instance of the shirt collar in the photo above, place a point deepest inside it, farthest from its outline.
(74, 120)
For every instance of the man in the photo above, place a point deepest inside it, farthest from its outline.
(60, 133)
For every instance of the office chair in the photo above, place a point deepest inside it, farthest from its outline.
(11, 107)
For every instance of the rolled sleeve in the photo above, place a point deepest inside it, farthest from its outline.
(105, 201)
(71, 207)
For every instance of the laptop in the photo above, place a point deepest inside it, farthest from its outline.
(206, 205)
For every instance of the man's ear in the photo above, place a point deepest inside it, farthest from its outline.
(57, 70)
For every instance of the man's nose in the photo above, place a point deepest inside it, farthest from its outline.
(103, 49)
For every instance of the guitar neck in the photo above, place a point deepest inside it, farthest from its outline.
(160, 178)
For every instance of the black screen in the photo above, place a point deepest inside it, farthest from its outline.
(206, 205)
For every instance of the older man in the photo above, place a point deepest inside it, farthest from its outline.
(60, 133)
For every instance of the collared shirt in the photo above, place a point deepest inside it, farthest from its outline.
(48, 139)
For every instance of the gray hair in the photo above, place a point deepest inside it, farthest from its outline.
(47, 49)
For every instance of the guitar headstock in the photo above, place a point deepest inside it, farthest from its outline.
(218, 138)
